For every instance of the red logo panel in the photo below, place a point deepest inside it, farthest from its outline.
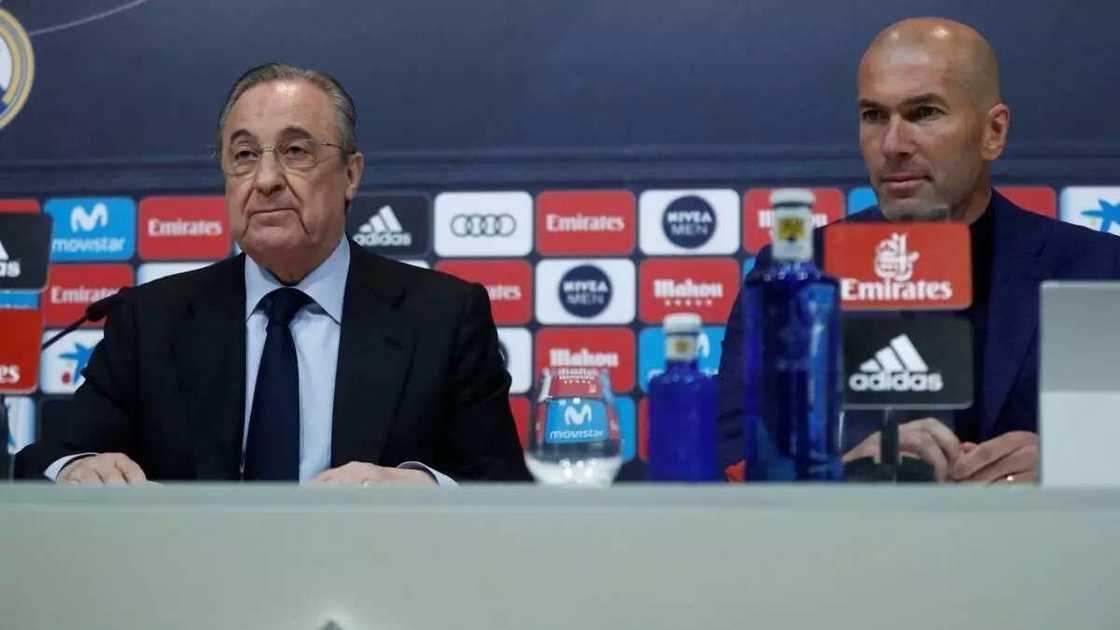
(581, 222)
(829, 207)
(509, 284)
(519, 405)
(1039, 199)
(610, 348)
(183, 228)
(71, 288)
(705, 286)
(19, 205)
(19, 354)
(900, 266)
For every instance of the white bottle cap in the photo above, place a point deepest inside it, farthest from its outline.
(791, 231)
(681, 323)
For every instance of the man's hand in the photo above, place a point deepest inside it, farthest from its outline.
(1011, 457)
(106, 468)
(363, 474)
(926, 439)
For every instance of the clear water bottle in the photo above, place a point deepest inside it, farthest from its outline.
(682, 409)
(792, 355)
(574, 436)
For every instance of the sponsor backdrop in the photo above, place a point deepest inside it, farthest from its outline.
(593, 169)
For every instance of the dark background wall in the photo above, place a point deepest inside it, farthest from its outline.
(488, 91)
(529, 96)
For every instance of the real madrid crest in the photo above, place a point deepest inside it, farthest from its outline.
(17, 67)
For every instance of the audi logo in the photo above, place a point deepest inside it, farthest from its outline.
(471, 225)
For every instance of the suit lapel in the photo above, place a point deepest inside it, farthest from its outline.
(1012, 304)
(210, 358)
(374, 354)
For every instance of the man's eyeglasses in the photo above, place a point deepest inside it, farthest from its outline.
(296, 155)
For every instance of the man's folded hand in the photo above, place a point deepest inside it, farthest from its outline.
(102, 469)
(927, 439)
(1011, 457)
(363, 474)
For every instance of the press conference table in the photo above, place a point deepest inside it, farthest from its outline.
(526, 557)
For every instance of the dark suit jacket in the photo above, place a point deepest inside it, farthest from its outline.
(1026, 249)
(419, 378)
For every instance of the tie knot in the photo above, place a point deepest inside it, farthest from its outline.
(283, 304)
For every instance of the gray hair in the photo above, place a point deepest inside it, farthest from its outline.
(345, 111)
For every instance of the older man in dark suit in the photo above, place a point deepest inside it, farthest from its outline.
(304, 359)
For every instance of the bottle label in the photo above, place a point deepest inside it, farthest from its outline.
(792, 237)
(680, 347)
(572, 420)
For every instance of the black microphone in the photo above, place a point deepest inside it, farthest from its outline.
(94, 313)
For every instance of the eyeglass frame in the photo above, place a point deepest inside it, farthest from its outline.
(274, 149)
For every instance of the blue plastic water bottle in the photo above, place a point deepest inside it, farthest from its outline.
(682, 409)
(792, 355)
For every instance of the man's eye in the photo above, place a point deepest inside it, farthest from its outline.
(296, 150)
(926, 111)
(871, 115)
(244, 155)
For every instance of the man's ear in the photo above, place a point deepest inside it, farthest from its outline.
(355, 165)
(996, 125)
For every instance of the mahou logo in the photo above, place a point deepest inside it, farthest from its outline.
(758, 214)
(704, 286)
(887, 266)
(585, 222)
(508, 283)
(183, 228)
(612, 349)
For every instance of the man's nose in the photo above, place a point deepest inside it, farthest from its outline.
(269, 177)
(897, 140)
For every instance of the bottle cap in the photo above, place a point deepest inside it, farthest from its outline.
(681, 323)
(792, 224)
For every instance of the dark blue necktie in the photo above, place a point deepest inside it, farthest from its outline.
(272, 446)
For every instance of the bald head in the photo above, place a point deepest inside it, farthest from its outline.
(931, 119)
(966, 55)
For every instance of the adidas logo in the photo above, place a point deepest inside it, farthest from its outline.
(8, 268)
(383, 230)
(896, 368)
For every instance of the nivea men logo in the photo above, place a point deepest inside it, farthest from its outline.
(391, 224)
(898, 367)
(585, 291)
(689, 222)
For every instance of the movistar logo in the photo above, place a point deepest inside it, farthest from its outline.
(82, 220)
(574, 416)
(896, 368)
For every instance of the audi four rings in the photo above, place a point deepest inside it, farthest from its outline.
(483, 224)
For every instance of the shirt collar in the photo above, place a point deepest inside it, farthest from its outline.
(326, 284)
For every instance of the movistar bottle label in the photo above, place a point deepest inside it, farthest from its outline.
(575, 420)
